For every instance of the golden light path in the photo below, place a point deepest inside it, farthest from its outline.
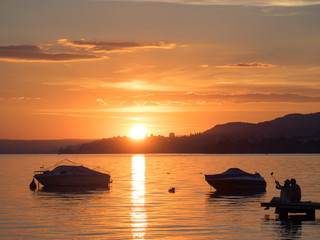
(138, 212)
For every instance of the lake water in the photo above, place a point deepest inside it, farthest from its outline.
(139, 206)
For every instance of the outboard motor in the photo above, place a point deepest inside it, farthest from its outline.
(33, 185)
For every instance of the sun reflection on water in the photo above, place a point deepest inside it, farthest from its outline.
(138, 212)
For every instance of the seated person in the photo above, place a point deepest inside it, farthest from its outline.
(295, 191)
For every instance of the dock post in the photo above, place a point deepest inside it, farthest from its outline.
(311, 214)
(283, 213)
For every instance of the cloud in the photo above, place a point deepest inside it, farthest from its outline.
(101, 101)
(283, 12)
(247, 65)
(254, 97)
(100, 46)
(204, 66)
(282, 3)
(20, 98)
(128, 104)
(181, 102)
(151, 103)
(190, 98)
(31, 53)
(73, 50)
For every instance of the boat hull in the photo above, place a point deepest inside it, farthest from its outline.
(72, 180)
(237, 185)
(237, 180)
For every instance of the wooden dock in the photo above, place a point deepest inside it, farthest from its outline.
(283, 209)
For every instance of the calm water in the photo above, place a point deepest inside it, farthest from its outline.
(139, 206)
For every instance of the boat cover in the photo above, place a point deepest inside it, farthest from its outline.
(234, 172)
(73, 169)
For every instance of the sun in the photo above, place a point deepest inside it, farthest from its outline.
(138, 131)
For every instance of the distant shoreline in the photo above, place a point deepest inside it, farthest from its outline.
(290, 134)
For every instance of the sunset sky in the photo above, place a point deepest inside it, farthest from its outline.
(95, 68)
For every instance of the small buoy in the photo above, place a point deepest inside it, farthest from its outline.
(172, 190)
(33, 185)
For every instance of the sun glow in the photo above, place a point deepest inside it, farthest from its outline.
(138, 131)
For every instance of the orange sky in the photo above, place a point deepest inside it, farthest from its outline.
(93, 69)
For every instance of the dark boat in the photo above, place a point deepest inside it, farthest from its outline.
(71, 176)
(236, 180)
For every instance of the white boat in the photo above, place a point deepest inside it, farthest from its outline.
(236, 180)
(71, 175)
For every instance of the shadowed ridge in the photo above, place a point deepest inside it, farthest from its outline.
(288, 125)
(230, 128)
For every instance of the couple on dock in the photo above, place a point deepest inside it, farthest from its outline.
(290, 191)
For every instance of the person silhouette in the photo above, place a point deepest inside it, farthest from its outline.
(295, 191)
(285, 193)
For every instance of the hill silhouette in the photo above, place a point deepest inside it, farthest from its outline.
(291, 125)
(293, 133)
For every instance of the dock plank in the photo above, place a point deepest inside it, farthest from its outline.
(284, 208)
(300, 205)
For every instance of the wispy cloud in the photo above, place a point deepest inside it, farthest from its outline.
(191, 98)
(181, 102)
(248, 65)
(204, 66)
(65, 50)
(101, 46)
(19, 98)
(101, 101)
(282, 3)
(254, 97)
(283, 12)
(151, 103)
(31, 53)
